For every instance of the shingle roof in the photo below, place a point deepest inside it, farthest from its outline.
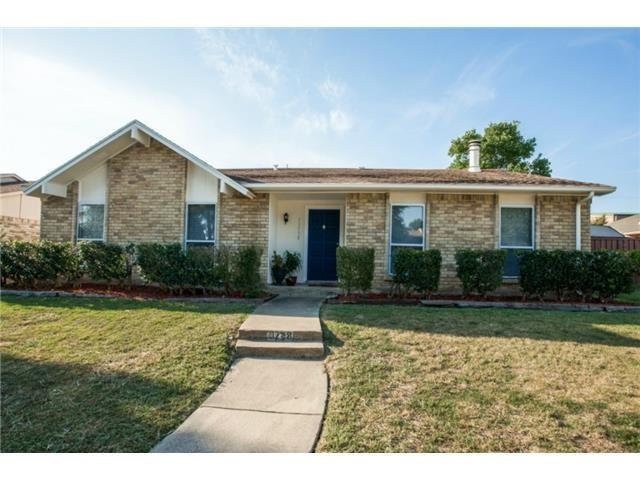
(604, 231)
(14, 187)
(627, 225)
(387, 175)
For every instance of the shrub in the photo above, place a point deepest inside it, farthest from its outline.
(245, 270)
(584, 275)
(355, 268)
(634, 258)
(480, 270)
(416, 270)
(164, 264)
(40, 263)
(100, 261)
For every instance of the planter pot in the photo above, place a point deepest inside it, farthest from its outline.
(277, 275)
(291, 281)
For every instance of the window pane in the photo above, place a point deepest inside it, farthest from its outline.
(392, 255)
(200, 222)
(515, 227)
(407, 224)
(90, 222)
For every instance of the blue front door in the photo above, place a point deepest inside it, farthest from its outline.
(324, 237)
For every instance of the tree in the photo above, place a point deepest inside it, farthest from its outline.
(502, 146)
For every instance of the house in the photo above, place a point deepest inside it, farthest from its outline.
(628, 226)
(137, 186)
(19, 213)
(608, 218)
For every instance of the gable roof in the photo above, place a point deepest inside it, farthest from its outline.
(604, 231)
(628, 226)
(371, 178)
(120, 140)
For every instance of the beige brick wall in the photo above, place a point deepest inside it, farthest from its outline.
(146, 195)
(366, 225)
(14, 228)
(244, 221)
(556, 216)
(58, 216)
(457, 221)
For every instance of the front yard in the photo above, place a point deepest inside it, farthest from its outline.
(414, 379)
(107, 375)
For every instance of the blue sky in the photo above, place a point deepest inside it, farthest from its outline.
(329, 97)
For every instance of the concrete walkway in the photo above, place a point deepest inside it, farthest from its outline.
(264, 404)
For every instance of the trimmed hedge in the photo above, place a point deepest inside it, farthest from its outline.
(101, 261)
(480, 271)
(355, 268)
(207, 268)
(574, 274)
(41, 263)
(416, 270)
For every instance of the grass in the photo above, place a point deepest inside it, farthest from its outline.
(414, 379)
(107, 375)
(632, 297)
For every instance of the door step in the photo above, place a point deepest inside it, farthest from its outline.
(287, 349)
(280, 336)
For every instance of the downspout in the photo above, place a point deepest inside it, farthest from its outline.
(579, 203)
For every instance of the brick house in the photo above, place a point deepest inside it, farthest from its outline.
(137, 186)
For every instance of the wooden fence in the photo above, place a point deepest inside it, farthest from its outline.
(615, 243)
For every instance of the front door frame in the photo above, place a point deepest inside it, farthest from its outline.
(305, 254)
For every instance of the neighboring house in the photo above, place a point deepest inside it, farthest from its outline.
(604, 231)
(137, 186)
(19, 213)
(628, 226)
(608, 218)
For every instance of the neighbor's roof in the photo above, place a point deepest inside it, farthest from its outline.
(257, 177)
(629, 225)
(604, 231)
(14, 187)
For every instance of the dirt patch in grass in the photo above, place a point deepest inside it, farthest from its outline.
(409, 379)
(107, 375)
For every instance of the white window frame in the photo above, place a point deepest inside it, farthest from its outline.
(104, 222)
(422, 246)
(186, 241)
(533, 232)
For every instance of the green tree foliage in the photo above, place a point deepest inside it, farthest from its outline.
(502, 146)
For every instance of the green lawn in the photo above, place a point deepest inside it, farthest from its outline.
(415, 379)
(107, 375)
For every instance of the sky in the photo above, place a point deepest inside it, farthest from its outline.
(328, 97)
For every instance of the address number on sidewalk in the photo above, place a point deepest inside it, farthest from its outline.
(280, 336)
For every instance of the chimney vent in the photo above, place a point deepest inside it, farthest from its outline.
(474, 156)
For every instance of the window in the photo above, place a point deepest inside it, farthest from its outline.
(407, 229)
(200, 224)
(90, 222)
(516, 234)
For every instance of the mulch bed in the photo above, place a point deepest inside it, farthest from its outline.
(490, 301)
(137, 292)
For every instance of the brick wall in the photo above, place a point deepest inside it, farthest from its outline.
(556, 217)
(14, 228)
(58, 216)
(460, 221)
(244, 221)
(146, 195)
(366, 225)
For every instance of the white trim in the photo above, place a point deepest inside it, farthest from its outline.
(139, 127)
(305, 245)
(579, 220)
(390, 244)
(427, 187)
(104, 222)
(185, 240)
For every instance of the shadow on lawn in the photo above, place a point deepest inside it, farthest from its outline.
(63, 407)
(554, 326)
(94, 303)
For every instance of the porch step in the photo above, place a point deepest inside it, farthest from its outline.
(280, 336)
(301, 349)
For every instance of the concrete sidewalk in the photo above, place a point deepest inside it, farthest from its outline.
(263, 404)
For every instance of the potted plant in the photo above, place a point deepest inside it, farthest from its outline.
(278, 272)
(292, 262)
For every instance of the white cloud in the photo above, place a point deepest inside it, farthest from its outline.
(332, 89)
(240, 63)
(340, 121)
(337, 121)
(474, 86)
